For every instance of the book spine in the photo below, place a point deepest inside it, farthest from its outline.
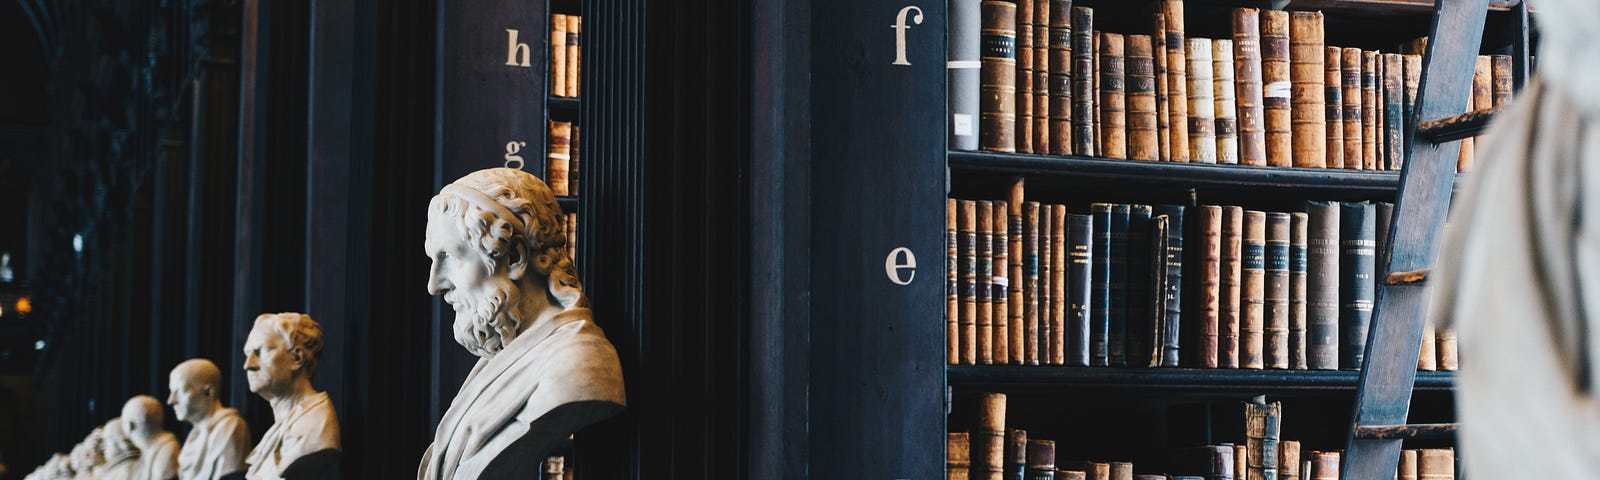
(1098, 123)
(1100, 292)
(572, 163)
(1222, 87)
(1211, 248)
(1018, 322)
(1080, 241)
(1356, 262)
(1060, 77)
(1408, 465)
(1041, 460)
(1025, 73)
(1016, 453)
(1030, 265)
(1261, 435)
(1289, 460)
(1247, 86)
(1058, 284)
(985, 233)
(1100, 471)
(1297, 290)
(1083, 92)
(999, 297)
(1277, 297)
(1322, 285)
(1230, 304)
(1121, 471)
(1047, 319)
(952, 283)
(962, 68)
(1156, 330)
(1276, 87)
(1177, 80)
(1354, 116)
(560, 155)
(1158, 50)
(1333, 96)
(1384, 220)
(1393, 111)
(1143, 135)
(967, 222)
(1500, 78)
(1412, 78)
(1202, 107)
(1251, 325)
(1324, 466)
(1308, 102)
(1172, 300)
(1428, 354)
(1113, 133)
(997, 88)
(1369, 110)
(957, 456)
(1041, 77)
(1436, 464)
(989, 438)
(1222, 462)
(573, 22)
(1241, 460)
(1070, 475)
(558, 55)
(1448, 360)
(1140, 321)
(1482, 91)
(1117, 332)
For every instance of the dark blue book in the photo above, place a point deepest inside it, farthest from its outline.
(1357, 261)
(1171, 300)
(1117, 332)
(1080, 245)
(1138, 298)
(1100, 286)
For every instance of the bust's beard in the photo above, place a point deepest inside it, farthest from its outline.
(486, 325)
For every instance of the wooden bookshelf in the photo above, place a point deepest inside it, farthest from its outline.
(1179, 175)
(563, 104)
(1189, 382)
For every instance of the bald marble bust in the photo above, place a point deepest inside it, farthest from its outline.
(281, 356)
(220, 438)
(121, 455)
(545, 370)
(142, 419)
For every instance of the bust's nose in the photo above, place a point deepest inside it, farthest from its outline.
(437, 285)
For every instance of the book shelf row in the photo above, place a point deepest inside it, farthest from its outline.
(1187, 383)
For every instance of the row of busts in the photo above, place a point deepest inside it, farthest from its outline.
(281, 356)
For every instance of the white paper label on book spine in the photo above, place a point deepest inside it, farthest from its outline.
(1276, 90)
(962, 124)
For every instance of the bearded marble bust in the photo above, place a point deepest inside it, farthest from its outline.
(544, 369)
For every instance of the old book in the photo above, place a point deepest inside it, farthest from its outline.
(1169, 298)
(572, 162)
(1031, 285)
(963, 41)
(1247, 86)
(1121, 471)
(952, 296)
(1159, 54)
(1436, 464)
(1117, 331)
(559, 156)
(1322, 285)
(1202, 107)
(1143, 140)
(1354, 116)
(1277, 295)
(1100, 286)
(1261, 436)
(1289, 460)
(1041, 460)
(558, 55)
(1308, 95)
(1113, 133)
(1252, 324)
(1231, 303)
(1071, 475)
(1041, 76)
(1447, 349)
(1241, 460)
(1408, 465)
(1222, 462)
(1080, 243)
(1098, 137)
(1500, 80)
(1047, 319)
(967, 223)
(1058, 284)
(1412, 78)
(999, 295)
(1018, 321)
(985, 232)
(1099, 471)
(1210, 287)
(555, 468)
(988, 438)
(1060, 84)
(1083, 91)
(1277, 84)
(1428, 354)
(997, 80)
(1333, 97)
(1370, 110)
(1384, 220)
(1324, 466)
(1482, 99)
(1297, 290)
(1025, 75)
(1222, 87)
(574, 23)
(1394, 109)
(1139, 319)
(1177, 80)
(1357, 225)
(1416, 46)
(1016, 453)
(958, 457)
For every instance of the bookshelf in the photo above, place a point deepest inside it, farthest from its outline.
(1155, 382)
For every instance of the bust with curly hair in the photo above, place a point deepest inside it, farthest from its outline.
(545, 370)
(280, 357)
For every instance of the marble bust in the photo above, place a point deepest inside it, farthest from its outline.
(499, 258)
(121, 455)
(281, 356)
(220, 438)
(142, 419)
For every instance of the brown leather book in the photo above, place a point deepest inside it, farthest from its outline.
(1482, 99)
(1370, 111)
(559, 156)
(1276, 87)
(1202, 106)
(572, 163)
(1298, 236)
(1159, 54)
(1231, 302)
(1289, 460)
(1394, 110)
(1447, 350)
(1121, 471)
(989, 438)
(1277, 294)
(997, 77)
(1325, 466)
(1047, 265)
(952, 288)
(1031, 288)
(1428, 356)
(1500, 80)
(1408, 465)
(1099, 471)
(1354, 115)
(1261, 427)
(967, 223)
(1071, 475)
(574, 23)
(1018, 312)
(1060, 85)
(1252, 325)
(1308, 96)
(1143, 140)
(1412, 78)
(1226, 109)
(558, 55)
(1148, 476)
(985, 232)
(1041, 459)
(958, 456)
(1083, 82)
(1247, 86)
(1333, 86)
(1026, 73)
(1016, 452)
(1177, 80)
(1097, 108)
(1241, 461)
(999, 295)
(1210, 227)
(1113, 133)
(1436, 464)
(1416, 46)
(1041, 77)
(1058, 284)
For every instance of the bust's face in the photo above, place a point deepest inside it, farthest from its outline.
(480, 297)
(269, 365)
(187, 399)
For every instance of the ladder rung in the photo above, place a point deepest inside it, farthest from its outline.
(1407, 278)
(1455, 127)
(1391, 432)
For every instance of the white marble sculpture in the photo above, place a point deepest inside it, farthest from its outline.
(281, 356)
(220, 438)
(142, 420)
(500, 260)
(121, 455)
(86, 456)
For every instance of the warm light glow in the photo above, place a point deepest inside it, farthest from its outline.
(24, 306)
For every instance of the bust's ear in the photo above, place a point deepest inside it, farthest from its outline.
(298, 354)
(517, 265)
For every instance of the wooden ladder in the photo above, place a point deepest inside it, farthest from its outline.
(1384, 397)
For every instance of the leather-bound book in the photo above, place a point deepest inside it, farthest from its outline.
(1177, 80)
(999, 294)
(1408, 465)
(952, 295)
(985, 232)
(1047, 319)
(1289, 460)
(560, 156)
(1058, 284)
(963, 43)
(1080, 243)
(1354, 116)
(1308, 94)
(1151, 348)
(1041, 77)
(1202, 107)
(1277, 302)
(1241, 460)
(1428, 354)
(1222, 464)
(1030, 289)
(989, 438)
(1384, 220)
(1222, 87)
(1482, 99)
(1436, 464)
(1100, 286)
(958, 457)
(1143, 140)
(1208, 291)
(1448, 360)
(1252, 326)
(1357, 247)
(1393, 111)
(1041, 460)
(1325, 466)
(1121, 471)
(1099, 471)
(1297, 289)
(574, 23)
(1276, 87)
(967, 223)
(572, 162)
(1415, 46)
(1370, 110)
(1412, 79)
(1500, 80)
(1016, 453)
(1322, 285)
(558, 55)
(1060, 84)
(1159, 54)
(1231, 302)
(1025, 75)
(1113, 127)
(1149, 476)
(1083, 92)
(1171, 299)
(1018, 321)
(1333, 86)
(1098, 137)
(1071, 475)
(1140, 318)
(1247, 86)
(1117, 331)
(1261, 435)
(997, 79)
